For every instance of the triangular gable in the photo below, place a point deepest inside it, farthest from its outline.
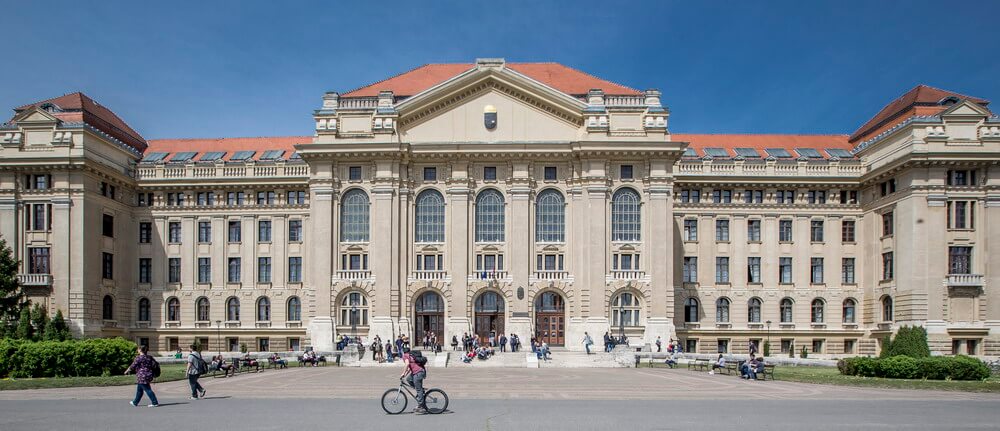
(966, 108)
(34, 115)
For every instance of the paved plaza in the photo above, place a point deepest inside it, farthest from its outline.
(584, 399)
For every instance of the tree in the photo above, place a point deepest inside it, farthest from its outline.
(11, 296)
(39, 321)
(24, 329)
(57, 330)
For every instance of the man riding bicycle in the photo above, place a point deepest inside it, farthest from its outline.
(413, 364)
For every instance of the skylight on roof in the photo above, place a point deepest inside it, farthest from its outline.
(183, 156)
(154, 157)
(295, 156)
(809, 152)
(716, 152)
(272, 154)
(839, 152)
(747, 152)
(690, 152)
(779, 153)
(212, 156)
(242, 155)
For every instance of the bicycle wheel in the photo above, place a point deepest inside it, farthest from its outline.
(394, 401)
(436, 401)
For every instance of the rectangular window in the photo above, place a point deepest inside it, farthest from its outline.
(848, 196)
(785, 196)
(263, 344)
(354, 262)
(962, 177)
(38, 260)
(430, 262)
(887, 226)
(205, 198)
(204, 232)
(847, 231)
(816, 270)
(690, 196)
(816, 230)
(174, 270)
(144, 199)
(722, 270)
(235, 231)
(108, 266)
(145, 269)
(108, 226)
(784, 230)
(753, 196)
(785, 270)
(887, 187)
(354, 173)
(430, 174)
(722, 196)
(295, 197)
(961, 214)
(295, 269)
(753, 270)
(691, 345)
(626, 172)
(786, 346)
(489, 262)
(294, 230)
(294, 345)
(145, 232)
(722, 345)
(816, 196)
(204, 270)
(174, 232)
(690, 230)
(817, 346)
(847, 270)
(490, 173)
(690, 269)
(849, 347)
(234, 270)
(235, 198)
(722, 230)
(263, 270)
(753, 230)
(38, 182)
(549, 262)
(960, 260)
(550, 173)
(264, 231)
(887, 266)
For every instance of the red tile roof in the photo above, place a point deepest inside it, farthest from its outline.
(228, 145)
(699, 142)
(562, 78)
(78, 107)
(921, 100)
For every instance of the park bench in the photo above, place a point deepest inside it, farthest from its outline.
(730, 369)
(699, 364)
(274, 364)
(768, 371)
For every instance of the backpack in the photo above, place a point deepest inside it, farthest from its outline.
(199, 365)
(155, 367)
(418, 358)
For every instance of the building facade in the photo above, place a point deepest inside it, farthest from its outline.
(526, 198)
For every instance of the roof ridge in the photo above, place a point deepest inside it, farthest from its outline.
(963, 96)
(394, 76)
(230, 137)
(597, 77)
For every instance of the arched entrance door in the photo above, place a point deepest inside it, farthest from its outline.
(550, 319)
(489, 312)
(428, 317)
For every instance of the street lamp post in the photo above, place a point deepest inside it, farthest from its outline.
(218, 335)
(621, 321)
(354, 321)
(768, 334)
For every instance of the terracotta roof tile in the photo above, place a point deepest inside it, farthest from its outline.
(562, 78)
(921, 100)
(699, 142)
(228, 145)
(79, 107)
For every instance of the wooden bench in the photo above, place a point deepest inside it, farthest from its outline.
(699, 364)
(730, 369)
(768, 371)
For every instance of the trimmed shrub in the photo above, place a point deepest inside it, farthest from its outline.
(91, 357)
(898, 367)
(905, 367)
(909, 341)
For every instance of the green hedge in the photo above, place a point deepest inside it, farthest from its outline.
(909, 341)
(73, 358)
(905, 367)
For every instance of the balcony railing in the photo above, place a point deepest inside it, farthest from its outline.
(627, 275)
(353, 274)
(961, 280)
(35, 280)
(488, 275)
(429, 275)
(551, 275)
(220, 170)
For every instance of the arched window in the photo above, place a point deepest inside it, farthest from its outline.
(429, 216)
(849, 305)
(625, 310)
(887, 309)
(108, 308)
(722, 310)
(691, 310)
(354, 216)
(294, 309)
(173, 310)
(489, 216)
(233, 309)
(550, 216)
(626, 222)
(354, 309)
(203, 309)
(429, 302)
(817, 310)
(143, 310)
(786, 310)
(753, 310)
(489, 302)
(549, 302)
(263, 309)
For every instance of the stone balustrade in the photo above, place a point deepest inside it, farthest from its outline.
(197, 171)
(44, 280)
(964, 280)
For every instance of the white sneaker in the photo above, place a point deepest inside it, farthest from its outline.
(711, 372)
(153, 405)
(132, 403)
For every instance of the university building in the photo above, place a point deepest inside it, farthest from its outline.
(527, 198)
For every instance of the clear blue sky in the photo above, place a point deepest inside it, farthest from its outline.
(208, 69)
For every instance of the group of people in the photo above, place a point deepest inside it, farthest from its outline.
(483, 352)
(472, 342)
(748, 369)
(610, 341)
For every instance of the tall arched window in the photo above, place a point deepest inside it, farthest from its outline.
(108, 308)
(625, 310)
(849, 305)
(550, 216)
(753, 310)
(786, 310)
(203, 309)
(173, 310)
(354, 309)
(691, 311)
(722, 310)
(354, 216)
(887, 309)
(294, 309)
(263, 309)
(817, 310)
(143, 310)
(233, 309)
(626, 222)
(489, 216)
(429, 217)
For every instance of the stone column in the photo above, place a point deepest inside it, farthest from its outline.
(660, 219)
(381, 256)
(457, 238)
(591, 317)
(319, 268)
(520, 246)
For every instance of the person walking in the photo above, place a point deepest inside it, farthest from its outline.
(752, 348)
(659, 344)
(503, 343)
(143, 366)
(194, 370)
(607, 342)
(587, 341)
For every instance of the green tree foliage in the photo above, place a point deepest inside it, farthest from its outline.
(73, 358)
(24, 330)
(57, 330)
(11, 296)
(909, 341)
(39, 321)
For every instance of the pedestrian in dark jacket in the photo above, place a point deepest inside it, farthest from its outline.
(503, 343)
(143, 366)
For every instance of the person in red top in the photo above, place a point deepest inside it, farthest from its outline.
(417, 373)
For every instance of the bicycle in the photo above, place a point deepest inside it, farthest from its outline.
(394, 400)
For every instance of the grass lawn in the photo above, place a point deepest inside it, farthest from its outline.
(168, 373)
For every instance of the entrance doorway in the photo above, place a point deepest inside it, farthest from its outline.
(550, 319)
(428, 318)
(489, 313)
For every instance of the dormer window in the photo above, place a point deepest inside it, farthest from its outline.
(48, 107)
(948, 101)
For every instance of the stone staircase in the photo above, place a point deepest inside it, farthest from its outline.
(619, 358)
